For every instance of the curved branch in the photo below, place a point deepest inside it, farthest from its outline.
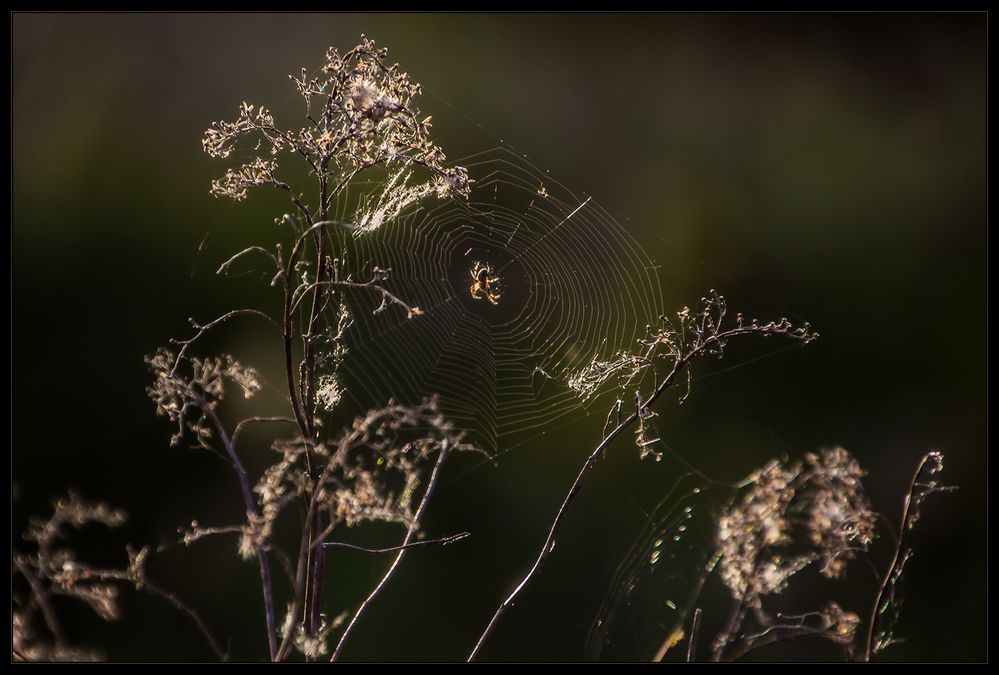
(191, 613)
(321, 225)
(224, 267)
(202, 329)
(251, 420)
(388, 298)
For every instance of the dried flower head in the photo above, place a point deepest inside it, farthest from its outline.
(360, 113)
(823, 496)
(372, 471)
(189, 399)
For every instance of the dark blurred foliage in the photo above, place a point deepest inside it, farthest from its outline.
(830, 167)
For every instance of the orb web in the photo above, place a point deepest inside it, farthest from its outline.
(520, 286)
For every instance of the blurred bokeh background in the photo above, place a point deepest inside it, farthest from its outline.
(827, 167)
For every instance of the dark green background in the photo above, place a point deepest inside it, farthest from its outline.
(831, 167)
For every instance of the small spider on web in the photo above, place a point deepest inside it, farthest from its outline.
(485, 283)
(565, 284)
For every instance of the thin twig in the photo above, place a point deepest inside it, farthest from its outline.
(444, 541)
(414, 526)
(253, 420)
(898, 560)
(224, 267)
(191, 612)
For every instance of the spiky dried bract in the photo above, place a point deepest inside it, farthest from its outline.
(360, 113)
(311, 647)
(839, 625)
(188, 399)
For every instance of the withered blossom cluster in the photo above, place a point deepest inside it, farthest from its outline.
(189, 400)
(821, 497)
(795, 514)
(52, 569)
(360, 113)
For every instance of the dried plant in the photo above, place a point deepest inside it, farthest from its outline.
(783, 518)
(361, 116)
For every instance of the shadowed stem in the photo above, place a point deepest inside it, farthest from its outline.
(407, 543)
(251, 508)
(313, 580)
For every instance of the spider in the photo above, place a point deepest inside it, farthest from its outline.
(484, 283)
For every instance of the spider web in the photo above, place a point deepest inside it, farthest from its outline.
(656, 585)
(573, 286)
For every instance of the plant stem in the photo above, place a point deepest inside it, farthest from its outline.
(251, 509)
(897, 558)
(414, 527)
